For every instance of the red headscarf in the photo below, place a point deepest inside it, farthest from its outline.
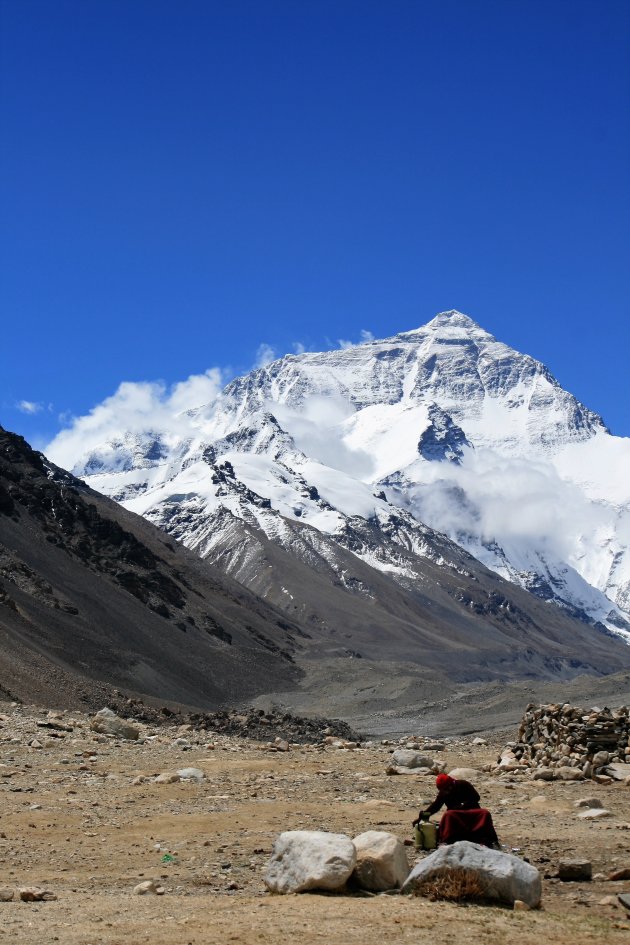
(444, 781)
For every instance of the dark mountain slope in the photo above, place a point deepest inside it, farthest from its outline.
(92, 596)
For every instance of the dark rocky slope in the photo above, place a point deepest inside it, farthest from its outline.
(92, 597)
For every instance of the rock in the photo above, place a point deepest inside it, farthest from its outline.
(408, 758)
(466, 774)
(310, 859)
(281, 744)
(618, 771)
(6, 895)
(381, 861)
(575, 870)
(501, 875)
(393, 769)
(600, 758)
(616, 875)
(434, 746)
(565, 773)
(594, 813)
(602, 779)
(479, 741)
(543, 774)
(624, 899)
(191, 774)
(107, 722)
(35, 894)
(148, 886)
(590, 802)
(520, 906)
(608, 901)
(167, 777)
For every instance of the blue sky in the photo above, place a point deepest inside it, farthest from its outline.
(186, 183)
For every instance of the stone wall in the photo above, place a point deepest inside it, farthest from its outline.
(554, 737)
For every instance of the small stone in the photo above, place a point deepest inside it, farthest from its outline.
(594, 814)
(602, 779)
(575, 870)
(481, 741)
(565, 773)
(464, 774)
(617, 875)
(148, 886)
(281, 744)
(167, 777)
(624, 899)
(589, 802)
(6, 895)
(191, 774)
(608, 901)
(35, 894)
(520, 906)
(543, 774)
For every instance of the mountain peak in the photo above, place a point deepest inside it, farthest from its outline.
(453, 319)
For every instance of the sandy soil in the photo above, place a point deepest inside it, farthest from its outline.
(72, 821)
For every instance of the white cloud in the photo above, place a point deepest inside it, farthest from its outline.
(365, 337)
(264, 355)
(298, 347)
(318, 431)
(514, 501)
(29, 406)
(136, 407)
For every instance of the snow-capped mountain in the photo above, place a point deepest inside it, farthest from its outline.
(382, 450)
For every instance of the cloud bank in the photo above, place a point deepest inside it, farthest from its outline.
(136, 407)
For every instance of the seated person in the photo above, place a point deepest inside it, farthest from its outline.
(463, 818)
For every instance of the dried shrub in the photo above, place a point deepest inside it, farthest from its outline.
(452, 885)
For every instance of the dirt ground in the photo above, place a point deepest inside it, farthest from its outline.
(73, 822)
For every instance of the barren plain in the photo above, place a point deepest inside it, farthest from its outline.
(81, 817)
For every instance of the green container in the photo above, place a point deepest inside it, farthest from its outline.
(425, 836)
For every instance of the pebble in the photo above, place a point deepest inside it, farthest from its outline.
(6, 895)
(520, 906)
(594, 814)
(148, 886)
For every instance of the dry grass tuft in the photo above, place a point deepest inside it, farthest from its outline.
(452, 885)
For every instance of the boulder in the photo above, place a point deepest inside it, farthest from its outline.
(502, 876)
(310, 859)
(381, 861)
(465, 774)
(107, 722)
(408, 758)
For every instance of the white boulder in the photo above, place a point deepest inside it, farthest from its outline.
(502, 876)
(106, 722)
(310, 859)
(381, 861)
(409, 758)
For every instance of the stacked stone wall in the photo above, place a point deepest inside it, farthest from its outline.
(566, 736)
